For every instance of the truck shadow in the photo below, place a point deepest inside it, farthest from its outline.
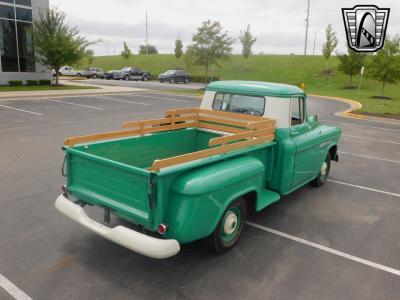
(195, 264)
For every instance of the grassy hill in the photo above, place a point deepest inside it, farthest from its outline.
(292, 69)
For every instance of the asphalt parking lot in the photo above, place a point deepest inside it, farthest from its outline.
(340, 241)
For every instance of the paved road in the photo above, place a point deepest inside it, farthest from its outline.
(152, 84)
(340, 241)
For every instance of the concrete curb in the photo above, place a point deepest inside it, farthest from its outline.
(354, 105)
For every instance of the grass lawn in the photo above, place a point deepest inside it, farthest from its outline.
(44, 88)
(292, 69)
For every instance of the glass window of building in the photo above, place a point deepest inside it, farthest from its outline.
(23, 2)
(7, 12)
(8, 46)
(24, 14)
(16, 43)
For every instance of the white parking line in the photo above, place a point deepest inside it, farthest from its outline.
(119, 100)
(12, 289)
(327, 249)
(359, 125)
(23, 110)
(76, 104)
(364, 188)
(371, 139)
(369, 157)
(162, 98)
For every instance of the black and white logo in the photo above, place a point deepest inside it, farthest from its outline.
(365, 27)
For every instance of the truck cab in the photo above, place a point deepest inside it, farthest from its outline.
(195, 173)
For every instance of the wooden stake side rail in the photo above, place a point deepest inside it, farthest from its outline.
(168, 162)
(244, 131)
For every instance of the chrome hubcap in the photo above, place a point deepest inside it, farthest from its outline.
(230, 223)
(324, 168)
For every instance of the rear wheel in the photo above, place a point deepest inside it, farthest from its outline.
(145, 78)
(186, 80)
(94, 76)
(323, 172)
(172, 80)
(229, 228)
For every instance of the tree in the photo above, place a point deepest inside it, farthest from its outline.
(56, 43)
(210, 45)
(330, 44)
(178, 48)
(189, 60)
(126, 53)
(247, 40)
(90, 56)
(350, 63)
(151, 49)
(385, 65)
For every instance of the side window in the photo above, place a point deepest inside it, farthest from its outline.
(220, 101)
(297, 111)
(242, 104)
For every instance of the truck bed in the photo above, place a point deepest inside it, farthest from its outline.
(128, 171)
(140, 152)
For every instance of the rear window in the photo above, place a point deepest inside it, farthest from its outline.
(242, 104)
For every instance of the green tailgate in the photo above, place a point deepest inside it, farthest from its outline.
(99, 181)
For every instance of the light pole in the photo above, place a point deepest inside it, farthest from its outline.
(307, 18)
(147, 39)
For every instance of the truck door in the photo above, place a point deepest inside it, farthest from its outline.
(308, 152)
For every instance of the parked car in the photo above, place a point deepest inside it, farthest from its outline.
(94, 73)
(69, 71)
(174, 76)
(198, 172)
(132, 73)
(110, 74)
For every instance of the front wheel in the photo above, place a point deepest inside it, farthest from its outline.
(126, 77)
(323, 172)
(94, 76)
(229, 228)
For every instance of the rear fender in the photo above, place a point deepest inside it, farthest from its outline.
(199, 198)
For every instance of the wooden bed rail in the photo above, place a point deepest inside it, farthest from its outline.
(243, 130)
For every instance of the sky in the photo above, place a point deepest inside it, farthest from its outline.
(278, 25)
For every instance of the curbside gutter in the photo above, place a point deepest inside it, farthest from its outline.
(354, 105)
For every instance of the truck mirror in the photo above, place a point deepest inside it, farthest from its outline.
(312, 119)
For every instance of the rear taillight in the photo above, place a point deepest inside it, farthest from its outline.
(162, 228)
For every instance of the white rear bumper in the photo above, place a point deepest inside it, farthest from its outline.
(131, 239)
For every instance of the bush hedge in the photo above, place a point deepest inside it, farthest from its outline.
(32, 82)
(44, 82)
(15, 82)
(201, 79)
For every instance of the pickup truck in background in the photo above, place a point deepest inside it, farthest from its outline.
(132, 73)
(69, 71)
(196, 173)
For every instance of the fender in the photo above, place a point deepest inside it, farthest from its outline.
(199, 198)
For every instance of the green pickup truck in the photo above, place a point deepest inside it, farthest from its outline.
(196, 173)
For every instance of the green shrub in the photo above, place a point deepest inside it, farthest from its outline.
(198, 78)
(153, 77)
(32, 82)
(15, 82)
(44, 82)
